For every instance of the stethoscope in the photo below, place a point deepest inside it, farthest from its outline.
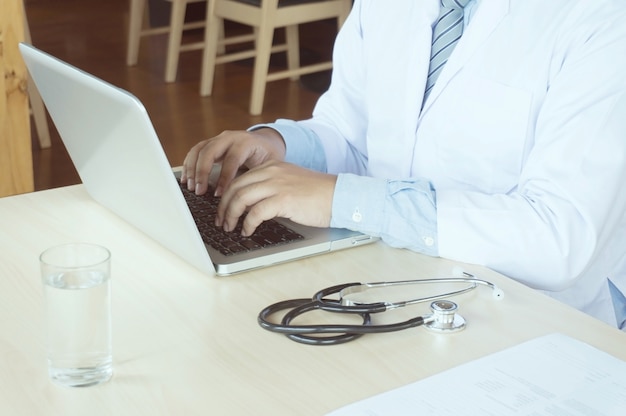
(443, 317)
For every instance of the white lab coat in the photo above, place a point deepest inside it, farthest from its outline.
(523, 135)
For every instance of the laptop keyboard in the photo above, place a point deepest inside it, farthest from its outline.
(204, 208)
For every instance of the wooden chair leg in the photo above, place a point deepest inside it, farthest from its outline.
(177, 21)
(293, 49)
(213, 32)
(137, 11)
(265, 35)
(221, 48)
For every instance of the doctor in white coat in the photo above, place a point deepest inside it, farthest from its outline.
(516, 160)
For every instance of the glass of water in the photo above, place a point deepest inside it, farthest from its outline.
(77, 285)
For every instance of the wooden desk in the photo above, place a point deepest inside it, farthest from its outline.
(187, 343)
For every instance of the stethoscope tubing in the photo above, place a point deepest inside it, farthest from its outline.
(332, 334)
(342, 332)
(355, 287)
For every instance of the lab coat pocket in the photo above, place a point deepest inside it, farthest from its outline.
(482, 138)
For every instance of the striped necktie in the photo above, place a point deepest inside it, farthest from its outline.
(446, 34)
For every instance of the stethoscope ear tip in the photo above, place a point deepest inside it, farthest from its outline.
(457, 271)
(497, 293)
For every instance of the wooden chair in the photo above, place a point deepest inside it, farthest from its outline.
(265, 16)
(16, 161)
(177, 25)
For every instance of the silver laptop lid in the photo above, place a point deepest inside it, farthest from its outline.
(110, 139)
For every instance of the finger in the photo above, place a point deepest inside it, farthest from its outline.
(208, 155)
(263, 210)
(245, 191)
(189, 163)
(231, 164)
(194, 167)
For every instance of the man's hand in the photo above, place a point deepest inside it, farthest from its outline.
(277, 189)
(234, 149)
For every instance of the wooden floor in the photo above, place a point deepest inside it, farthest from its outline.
(92, 36)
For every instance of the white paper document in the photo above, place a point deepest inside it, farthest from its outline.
(553, 375)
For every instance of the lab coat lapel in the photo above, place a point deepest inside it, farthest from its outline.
(398, 50)
(486, 18)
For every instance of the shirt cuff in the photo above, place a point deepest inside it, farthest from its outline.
(402, 212)
(302, 146)
(359, 203)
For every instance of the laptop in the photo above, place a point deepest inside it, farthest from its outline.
(118, 156)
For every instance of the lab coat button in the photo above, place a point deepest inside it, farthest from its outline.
(356, 216)
(429, 241)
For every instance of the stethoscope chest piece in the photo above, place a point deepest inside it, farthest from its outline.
(444, 317)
